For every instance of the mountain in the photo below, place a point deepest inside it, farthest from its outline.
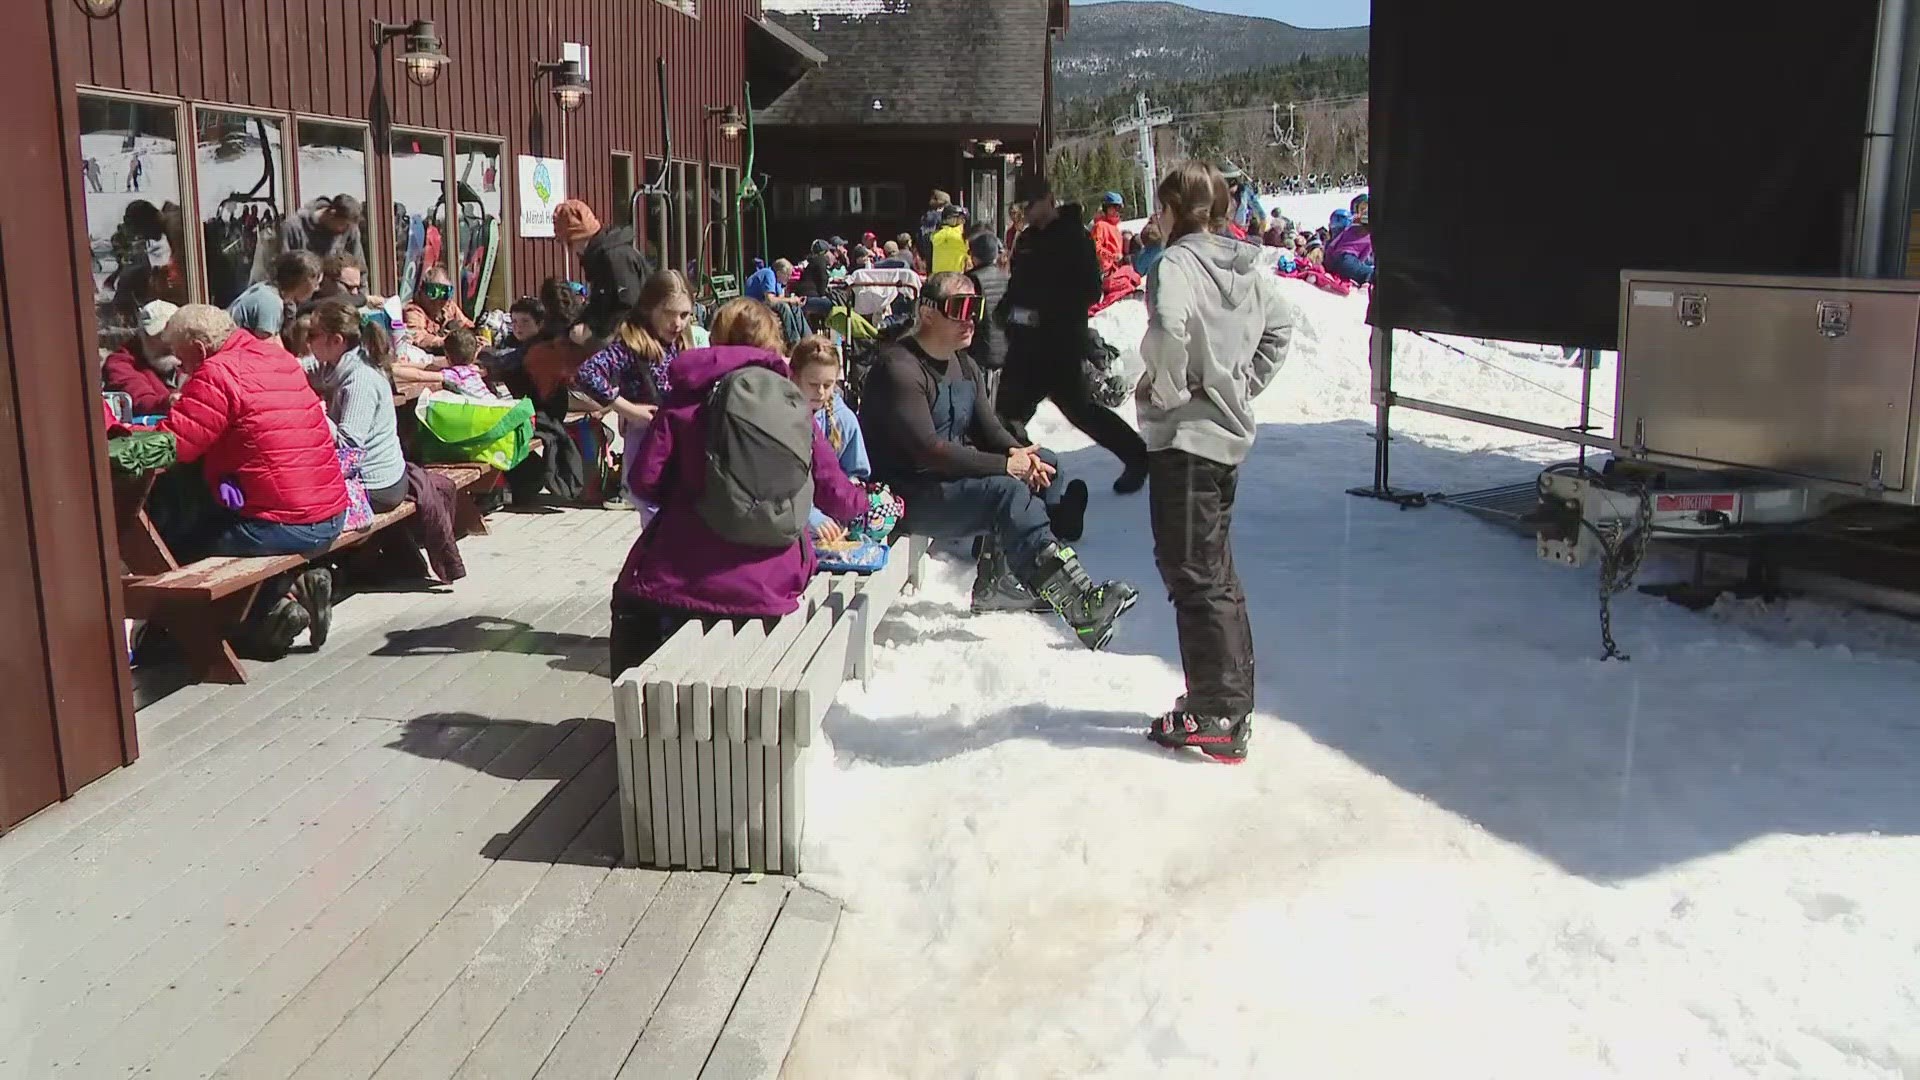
(1112, 45)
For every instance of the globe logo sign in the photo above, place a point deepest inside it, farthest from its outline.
(543, 182)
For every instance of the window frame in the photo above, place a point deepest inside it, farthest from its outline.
(371, 234)
(182, 121)
(509, 219)
(288, 181)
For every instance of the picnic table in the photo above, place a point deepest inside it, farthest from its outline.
(199, 603)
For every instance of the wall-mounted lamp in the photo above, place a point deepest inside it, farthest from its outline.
(732, 124)
(423, 59)
(569, 83)
(98, 9)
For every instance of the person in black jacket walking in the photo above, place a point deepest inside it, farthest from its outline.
(1056, 278)
(611, 266)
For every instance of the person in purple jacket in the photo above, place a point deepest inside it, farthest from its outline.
(681, 570)
(1350, 252)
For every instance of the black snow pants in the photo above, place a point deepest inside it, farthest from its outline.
(1039, 368)
(1190, 502)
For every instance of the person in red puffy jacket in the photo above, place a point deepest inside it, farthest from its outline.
(260, 433)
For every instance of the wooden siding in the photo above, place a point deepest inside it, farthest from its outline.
(69, 714)
(312, 57)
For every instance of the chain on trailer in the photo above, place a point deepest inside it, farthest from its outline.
(1623, 550)
(1623, 545)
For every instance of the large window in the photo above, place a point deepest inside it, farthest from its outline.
(130, 163)
(686, 210)
(479, 173)
(659, 246)
(720, 211)
(621, 212)
(419, 163)
(241, 169)
(332, 162)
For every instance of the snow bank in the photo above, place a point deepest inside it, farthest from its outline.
(1462, 846)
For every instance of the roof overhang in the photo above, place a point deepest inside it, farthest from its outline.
(802, 56)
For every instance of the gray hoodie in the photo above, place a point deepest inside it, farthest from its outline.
(1217, 334)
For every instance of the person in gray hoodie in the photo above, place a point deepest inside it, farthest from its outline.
(1217, 332)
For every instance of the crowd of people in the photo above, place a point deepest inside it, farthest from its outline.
(737, 439)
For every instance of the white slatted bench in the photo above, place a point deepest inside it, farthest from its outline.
(711, 732)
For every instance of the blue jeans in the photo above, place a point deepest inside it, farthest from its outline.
(1352, 267)
(999, 506)
(250, 536)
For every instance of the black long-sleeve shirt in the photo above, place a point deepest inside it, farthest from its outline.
(896, 417)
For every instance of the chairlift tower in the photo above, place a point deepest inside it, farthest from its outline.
(1143, 122)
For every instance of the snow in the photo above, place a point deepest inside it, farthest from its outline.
(1462, 846)
(1308, 211)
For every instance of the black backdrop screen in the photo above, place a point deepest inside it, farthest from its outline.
(1524, 153)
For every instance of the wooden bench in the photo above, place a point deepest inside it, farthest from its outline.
(198, 604)
(712, 731)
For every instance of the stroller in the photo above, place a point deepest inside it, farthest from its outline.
(860, 337)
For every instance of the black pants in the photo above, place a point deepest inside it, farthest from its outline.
(1035, 373)
(1191, 504)
(639, 629)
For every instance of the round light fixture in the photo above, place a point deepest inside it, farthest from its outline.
(98, 9)
(424, 59)
(569, 85)
(732, 124)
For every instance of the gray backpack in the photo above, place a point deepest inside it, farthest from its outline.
(759, 460)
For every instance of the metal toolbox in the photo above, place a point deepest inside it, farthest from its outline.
(1811, 378)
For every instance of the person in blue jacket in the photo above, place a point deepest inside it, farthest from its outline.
(763, 282)
(815, 364)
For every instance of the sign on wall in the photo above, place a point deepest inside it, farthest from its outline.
(543, 186)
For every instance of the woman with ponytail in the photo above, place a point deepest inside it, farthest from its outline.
(352, 356)
(1217, 332)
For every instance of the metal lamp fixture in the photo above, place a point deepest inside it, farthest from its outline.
(569, 84)
(423, 58)
(732, 124)
(98, 9)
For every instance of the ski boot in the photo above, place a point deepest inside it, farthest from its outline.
(1222, 738)
(1069, 516)
(313, 591)
(1092, 610)
(997, 588)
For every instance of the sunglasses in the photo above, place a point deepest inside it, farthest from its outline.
(964, 308)
(579, 288)
(434, 291)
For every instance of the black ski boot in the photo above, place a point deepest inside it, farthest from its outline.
(1069, 517)
(313, 590)
(1222, 738)
(997, 588)
(1092, 610)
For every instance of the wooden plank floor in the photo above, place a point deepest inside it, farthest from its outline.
(396, 858)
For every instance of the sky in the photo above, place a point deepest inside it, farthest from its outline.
(1297, 12)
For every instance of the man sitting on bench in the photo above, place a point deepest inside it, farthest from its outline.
(272, 483)
(934, 437)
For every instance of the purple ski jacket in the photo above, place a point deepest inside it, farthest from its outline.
(679, 562)
(1356, 240)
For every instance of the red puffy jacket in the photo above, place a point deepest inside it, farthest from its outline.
(250, 413)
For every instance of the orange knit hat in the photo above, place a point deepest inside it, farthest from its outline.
(574, 220)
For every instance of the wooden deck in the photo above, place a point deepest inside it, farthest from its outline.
(396, 858)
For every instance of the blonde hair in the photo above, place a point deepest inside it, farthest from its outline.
(813, 349)
(636, 330)
(743, 321)
(204, 324)
(1196, 195)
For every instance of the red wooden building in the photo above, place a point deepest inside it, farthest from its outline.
(154, 141)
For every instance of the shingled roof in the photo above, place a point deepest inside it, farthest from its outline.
(893, 62)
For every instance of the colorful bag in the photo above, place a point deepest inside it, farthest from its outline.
(884, 511)
(359, 508)
(456, 428)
